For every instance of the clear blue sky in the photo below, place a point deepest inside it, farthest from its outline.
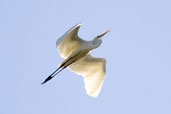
(137, 50)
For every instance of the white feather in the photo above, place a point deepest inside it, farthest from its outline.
(75, 51)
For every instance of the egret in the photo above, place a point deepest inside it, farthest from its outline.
(76, 53)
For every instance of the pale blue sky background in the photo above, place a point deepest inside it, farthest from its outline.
(138, 53)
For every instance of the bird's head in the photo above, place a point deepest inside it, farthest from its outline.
(97, 40)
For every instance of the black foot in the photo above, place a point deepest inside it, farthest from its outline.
(47, 79)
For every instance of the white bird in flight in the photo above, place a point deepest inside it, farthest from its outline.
(76, 53)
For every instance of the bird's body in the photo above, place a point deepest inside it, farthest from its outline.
(76, 53)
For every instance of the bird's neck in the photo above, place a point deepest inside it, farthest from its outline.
(92, 46)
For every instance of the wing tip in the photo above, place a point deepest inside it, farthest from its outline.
(76, 27)
(93, 96)
(79, 24)
(96, 92)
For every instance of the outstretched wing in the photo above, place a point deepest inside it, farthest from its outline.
(93, 71)
(69, 42)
